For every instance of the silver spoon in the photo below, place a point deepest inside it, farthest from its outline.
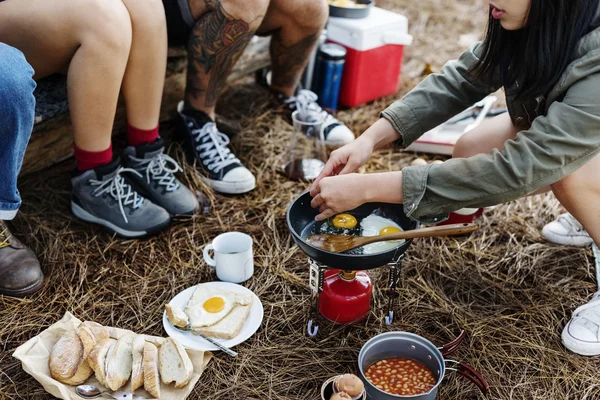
(92, 392)
(224, 349)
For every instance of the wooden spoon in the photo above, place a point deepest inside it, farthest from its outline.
(342, 243)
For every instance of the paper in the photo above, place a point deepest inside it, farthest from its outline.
(34, 355)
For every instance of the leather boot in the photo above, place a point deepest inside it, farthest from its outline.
(20, 272)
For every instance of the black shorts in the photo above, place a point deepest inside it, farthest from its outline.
(179, 21)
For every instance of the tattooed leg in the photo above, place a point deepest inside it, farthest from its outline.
(296, 27)
(221, 34)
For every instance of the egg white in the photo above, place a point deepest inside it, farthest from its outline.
(371, 226)
(198, 315)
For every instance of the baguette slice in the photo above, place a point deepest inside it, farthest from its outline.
(97, 358)
(176, 316)
(174, 364)
(91, 333)
(150, 370)
(66, 357)
(137, 368)
(230, 326)
(118, 363)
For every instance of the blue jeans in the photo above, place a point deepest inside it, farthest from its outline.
(17, 112)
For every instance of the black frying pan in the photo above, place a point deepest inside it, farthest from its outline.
(300, 214)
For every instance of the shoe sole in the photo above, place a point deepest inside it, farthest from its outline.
(577, 346)
(87, 217)
(31, 289)
(231, 187)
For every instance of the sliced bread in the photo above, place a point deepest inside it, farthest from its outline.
(176, 316)
(97, 358)
(66, 357)
(150, 370)
(230, 326)
(118, 363)
(137, 368)
(174, 364)
(91, 333)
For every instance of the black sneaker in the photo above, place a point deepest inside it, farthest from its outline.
(336, 134)
(157, 180)
(103, 196)
(206, 148)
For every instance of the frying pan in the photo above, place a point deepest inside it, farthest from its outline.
(300, 215)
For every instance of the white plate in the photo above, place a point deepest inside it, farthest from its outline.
(192, 341)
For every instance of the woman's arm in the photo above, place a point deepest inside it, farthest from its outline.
(556, 146)
(439, 97)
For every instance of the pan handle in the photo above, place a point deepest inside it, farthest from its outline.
(451, 347)
(469, 372)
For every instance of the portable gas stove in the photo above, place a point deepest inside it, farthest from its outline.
(344, 297)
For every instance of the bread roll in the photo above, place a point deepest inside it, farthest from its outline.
(66, 361)
(150, 370)
(97, 358)
(174, 364)
(137, 368)
(118, 363)
(91, 333)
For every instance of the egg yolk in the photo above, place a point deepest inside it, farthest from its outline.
(344, 221)
(214, 304)
(389, 230)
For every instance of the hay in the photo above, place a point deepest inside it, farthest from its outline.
(509, 289)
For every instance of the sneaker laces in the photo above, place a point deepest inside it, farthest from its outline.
(212, 147)
(4, 236)
(570, 222)
(162, 169)
(118, 188)
(591, 313)
(306, 104)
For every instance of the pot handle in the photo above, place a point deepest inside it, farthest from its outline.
(469, 372)
(451, 347)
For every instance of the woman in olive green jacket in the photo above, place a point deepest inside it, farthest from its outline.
(546, 55)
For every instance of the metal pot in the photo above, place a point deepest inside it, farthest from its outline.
(409, 345)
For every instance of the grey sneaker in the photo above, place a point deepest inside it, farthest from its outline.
(156, 179)
(103, 196)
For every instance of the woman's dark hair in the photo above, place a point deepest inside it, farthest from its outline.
(536, 56)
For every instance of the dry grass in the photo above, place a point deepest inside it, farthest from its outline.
(509, 289)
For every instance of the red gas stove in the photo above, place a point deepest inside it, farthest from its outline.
(344, 297)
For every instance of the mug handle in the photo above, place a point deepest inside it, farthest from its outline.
(209, 260)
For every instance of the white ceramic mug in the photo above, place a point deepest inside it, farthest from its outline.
(233, 260)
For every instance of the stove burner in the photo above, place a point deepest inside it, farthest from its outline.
(317, 279)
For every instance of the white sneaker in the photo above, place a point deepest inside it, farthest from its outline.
(582, 333)
(566, 230)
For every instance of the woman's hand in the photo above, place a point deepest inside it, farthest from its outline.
(346, 160)
(335, 194)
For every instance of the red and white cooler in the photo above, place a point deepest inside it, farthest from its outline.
(375, 48)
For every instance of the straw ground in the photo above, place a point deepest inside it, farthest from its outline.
(508, 288)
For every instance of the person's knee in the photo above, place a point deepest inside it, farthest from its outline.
(464, 147)
(312, 14)
(148, 15)
(16, 82)
(107, 23)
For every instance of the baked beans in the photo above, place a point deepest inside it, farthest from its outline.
(401, 376)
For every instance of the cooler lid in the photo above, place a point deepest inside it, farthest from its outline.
(381, 27)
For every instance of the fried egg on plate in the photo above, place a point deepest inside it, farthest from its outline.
(374, 225)
(209, 305)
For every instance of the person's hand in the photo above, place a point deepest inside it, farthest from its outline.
(335, 194)
(346, 160)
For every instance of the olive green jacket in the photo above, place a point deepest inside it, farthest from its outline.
(561, 133)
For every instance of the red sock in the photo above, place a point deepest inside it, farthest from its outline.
(136, 136)
(91, 159)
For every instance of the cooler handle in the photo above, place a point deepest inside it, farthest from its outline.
(397, 38)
